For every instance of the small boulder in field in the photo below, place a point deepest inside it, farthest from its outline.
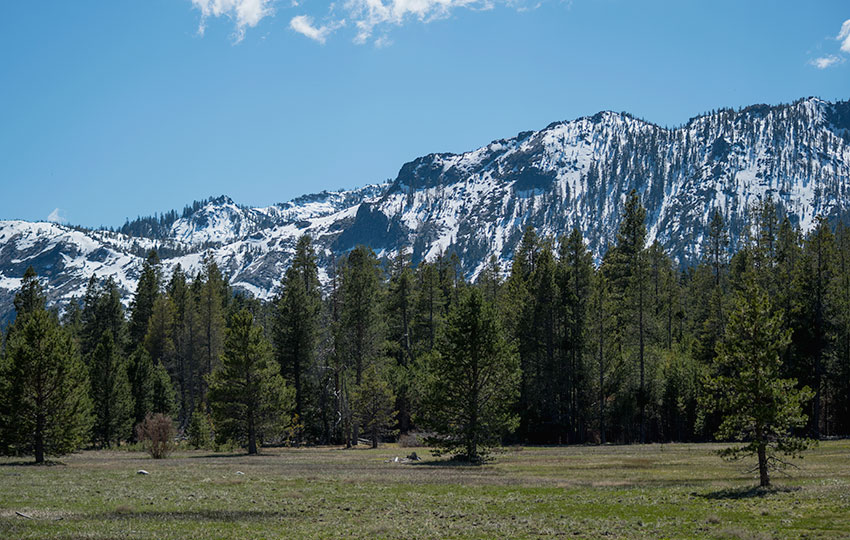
(142, 471)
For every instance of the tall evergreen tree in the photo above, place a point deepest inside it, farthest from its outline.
(360, 330)
(604, 349)
(360, 314)
(429, 306)
(111, 395)
(758, 406)
(537, 341)
(627, 273)
(44, 402)
(813, 314)
(250, 400)
(140, 370)
(474, 381)
(210, 304)
(399, 316)
(519, 322)
(296, 326)
(147, 291)
(31, 296)
(102, 312)
(186, 335)
(490, 280)
(574, 277)
(839, 369)
(373, 402)
(717, 246)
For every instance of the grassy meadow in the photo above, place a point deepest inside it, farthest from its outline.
(651, 491)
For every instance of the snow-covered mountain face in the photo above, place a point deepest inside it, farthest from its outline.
(478, 203)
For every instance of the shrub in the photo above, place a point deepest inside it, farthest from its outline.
(156, 433)
(413, 439)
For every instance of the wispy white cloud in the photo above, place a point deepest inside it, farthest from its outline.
(369, 15)
(826, 61)
(245, 13)
(57, 216)
(371, 19)
(830, 60)
(303, 24)
(844, 36)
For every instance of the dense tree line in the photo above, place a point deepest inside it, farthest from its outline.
(555, 349)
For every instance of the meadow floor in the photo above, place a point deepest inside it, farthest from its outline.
(651, 491)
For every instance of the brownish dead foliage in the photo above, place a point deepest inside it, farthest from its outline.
(156, 433)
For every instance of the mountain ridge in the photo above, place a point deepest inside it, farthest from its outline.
(477, 203)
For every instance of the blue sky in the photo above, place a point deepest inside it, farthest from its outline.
(115, 109)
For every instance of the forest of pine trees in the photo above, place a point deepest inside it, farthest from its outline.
(553, 350)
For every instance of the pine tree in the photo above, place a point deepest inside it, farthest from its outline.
(520, 325)
(199, 431)
(361, 327)
(399, 315)
(707, 292)
(574, 278)
(839, 369)
(627, 273)
(537, 341)
(813, 314)
(159, 344)
(490, 280)
(111, 395)
(429, 307)
(147, 291)
(250, 401)
(210, 303)
(757, 405)
(296, 326)
(716, 247)
(44, 402)
(102, 312)
(474, 382)
(31, 296)
(140, 375)
(373, 403)
(603, 349)
(162, 395)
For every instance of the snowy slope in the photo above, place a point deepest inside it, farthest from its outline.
(574, 173)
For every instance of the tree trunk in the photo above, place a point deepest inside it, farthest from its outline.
(252, 428)
(252, 437)
(39, 438)
(764, 479)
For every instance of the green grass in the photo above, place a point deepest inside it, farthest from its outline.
(652, 491)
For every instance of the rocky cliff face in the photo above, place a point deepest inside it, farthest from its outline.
(574, 173)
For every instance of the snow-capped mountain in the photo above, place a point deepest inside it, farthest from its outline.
(574, 173)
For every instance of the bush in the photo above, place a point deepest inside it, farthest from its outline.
(199, 431)
(413, 439)
(156, 433)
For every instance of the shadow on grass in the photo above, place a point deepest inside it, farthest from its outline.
(447, 463)
(231, 455)
(191, 515)
(745, 492)
(30, 463)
